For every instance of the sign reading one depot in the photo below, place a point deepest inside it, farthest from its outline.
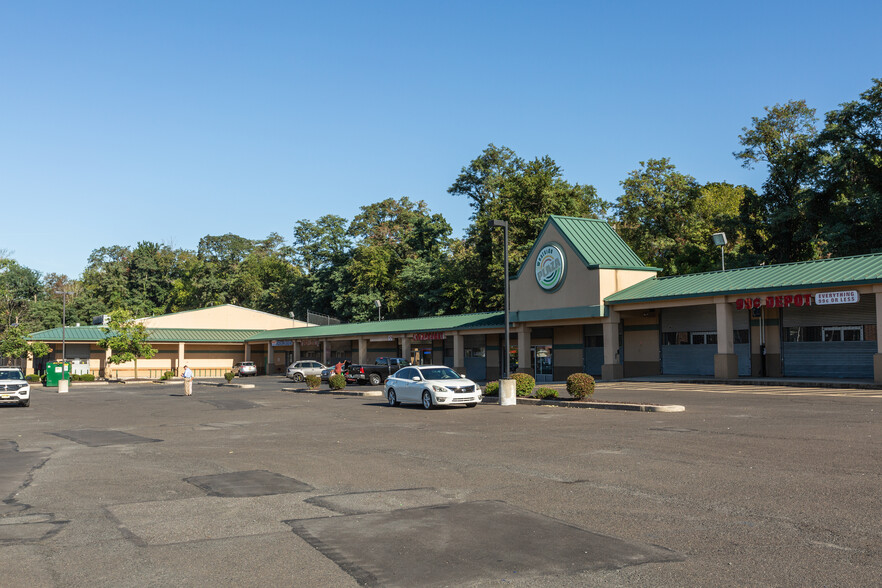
(550, 267)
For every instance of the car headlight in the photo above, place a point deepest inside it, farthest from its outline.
(437, 388)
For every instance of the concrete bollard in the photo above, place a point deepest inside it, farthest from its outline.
(508, 392)
(63, 386)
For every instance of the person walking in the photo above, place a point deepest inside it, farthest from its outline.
(188, 381)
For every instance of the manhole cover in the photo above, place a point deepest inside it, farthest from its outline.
(252, 483)
(464, 543)
(101, 438)
(229, 403)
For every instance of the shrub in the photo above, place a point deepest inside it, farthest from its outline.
(491, 389)
(313, 382)
(525, 384)
(229, 376)
(580, 386)
(546, 392)
(33, 377)
(82, 377)
(337, 382)
(167, 375)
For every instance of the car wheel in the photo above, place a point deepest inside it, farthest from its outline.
(427, 400)
(376, 380)
(393, 399)
(471, 404)
(25, 403)
(297, 377)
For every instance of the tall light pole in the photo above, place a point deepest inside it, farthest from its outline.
(64, 294)
(506, 366)
(378, 303)
(720, 241)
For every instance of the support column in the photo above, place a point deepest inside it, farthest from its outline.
(877, 358)
(105, 364)
(725, 361)
(524, 365)
(270, 358)
(362, 350)
(459, 354)
(180, 365)
(296, 351)
(326, 352)
(248, 352)
(612, 368)
(405, 347)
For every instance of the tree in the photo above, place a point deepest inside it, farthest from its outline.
(784, 140)
(126, 339)
(13, 345)
(848, 204)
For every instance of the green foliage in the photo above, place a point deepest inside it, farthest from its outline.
(13, 345)
(313, 382)
(580, 386)
(82, 377)
(229, 376)
(525, 384)
(545, 392)
(167, 375)
(491, 389)
(126, 339)
(337, 382)
(33, 377)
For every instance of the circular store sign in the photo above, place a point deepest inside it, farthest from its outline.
(550, 267)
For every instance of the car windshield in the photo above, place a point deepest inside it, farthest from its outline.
(11, 375)
(442, 373)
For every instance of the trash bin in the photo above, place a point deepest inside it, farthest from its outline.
(57, 371)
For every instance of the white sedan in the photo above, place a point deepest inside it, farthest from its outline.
(431, 385)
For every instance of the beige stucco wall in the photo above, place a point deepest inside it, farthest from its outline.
(227, 316)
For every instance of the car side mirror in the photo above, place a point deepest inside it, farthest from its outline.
(416, 378)
(462, 376)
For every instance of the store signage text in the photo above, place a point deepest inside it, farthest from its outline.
(276, 343)
(436, 336)
(784, 301)
(846, 297)
(550, 266)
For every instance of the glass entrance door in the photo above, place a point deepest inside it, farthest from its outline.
(543, 365)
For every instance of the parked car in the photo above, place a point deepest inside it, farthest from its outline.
(327, 373)
(14, 387)
(376, 373)
(245, 368)
(431, 385)
(298, 370)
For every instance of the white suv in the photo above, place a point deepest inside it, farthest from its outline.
(298, 370)
(14, 387)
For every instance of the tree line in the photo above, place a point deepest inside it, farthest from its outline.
(821, 196)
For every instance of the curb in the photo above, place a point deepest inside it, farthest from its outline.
(334, 392)
(632, 406)
(224, 385)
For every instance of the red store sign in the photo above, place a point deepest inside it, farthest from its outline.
(784, 301)
(436, 336)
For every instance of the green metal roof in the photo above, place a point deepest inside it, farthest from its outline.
(819, 273)
(481, 320)
(95, 333)
(595, 242)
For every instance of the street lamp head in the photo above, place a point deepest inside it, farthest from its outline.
(719, 239)
(498, 223)
(378, 303)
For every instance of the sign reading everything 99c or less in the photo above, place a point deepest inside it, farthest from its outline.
(550, 266)
(788, 300)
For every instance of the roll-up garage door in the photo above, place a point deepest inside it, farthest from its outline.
(689, 340)
(830, 341)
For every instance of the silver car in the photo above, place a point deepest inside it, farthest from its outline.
(298, 370)
(431, 385)
(245, 368)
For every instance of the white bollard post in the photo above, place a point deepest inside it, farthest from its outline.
(508, 392)
(63, 386)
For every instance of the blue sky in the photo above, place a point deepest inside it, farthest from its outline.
(167, 121)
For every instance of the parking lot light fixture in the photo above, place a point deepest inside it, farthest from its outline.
(505, 364)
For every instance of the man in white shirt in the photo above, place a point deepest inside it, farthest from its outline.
(188, 381)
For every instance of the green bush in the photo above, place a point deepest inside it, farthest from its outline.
(167, 375)
(229, 376)
(33, 377)
(546, 392)
(491, 389)
(337, 382)
(313, 382)
(525, 384)
(580, 386)
(82, 377)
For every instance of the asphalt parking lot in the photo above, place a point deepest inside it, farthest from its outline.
(137, 485)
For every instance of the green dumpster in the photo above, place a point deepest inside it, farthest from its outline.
(56, 371)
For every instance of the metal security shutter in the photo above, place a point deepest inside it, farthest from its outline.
(688, 359)
(593, 351)
(830, 359)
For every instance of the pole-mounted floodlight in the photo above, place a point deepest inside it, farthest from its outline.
(505, 364)
(378, 303)
(64, 294)
(720, 241)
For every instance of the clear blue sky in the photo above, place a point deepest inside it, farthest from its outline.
(168, 120)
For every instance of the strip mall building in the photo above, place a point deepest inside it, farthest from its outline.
(581, 302)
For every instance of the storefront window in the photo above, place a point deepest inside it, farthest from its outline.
(832, 334)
